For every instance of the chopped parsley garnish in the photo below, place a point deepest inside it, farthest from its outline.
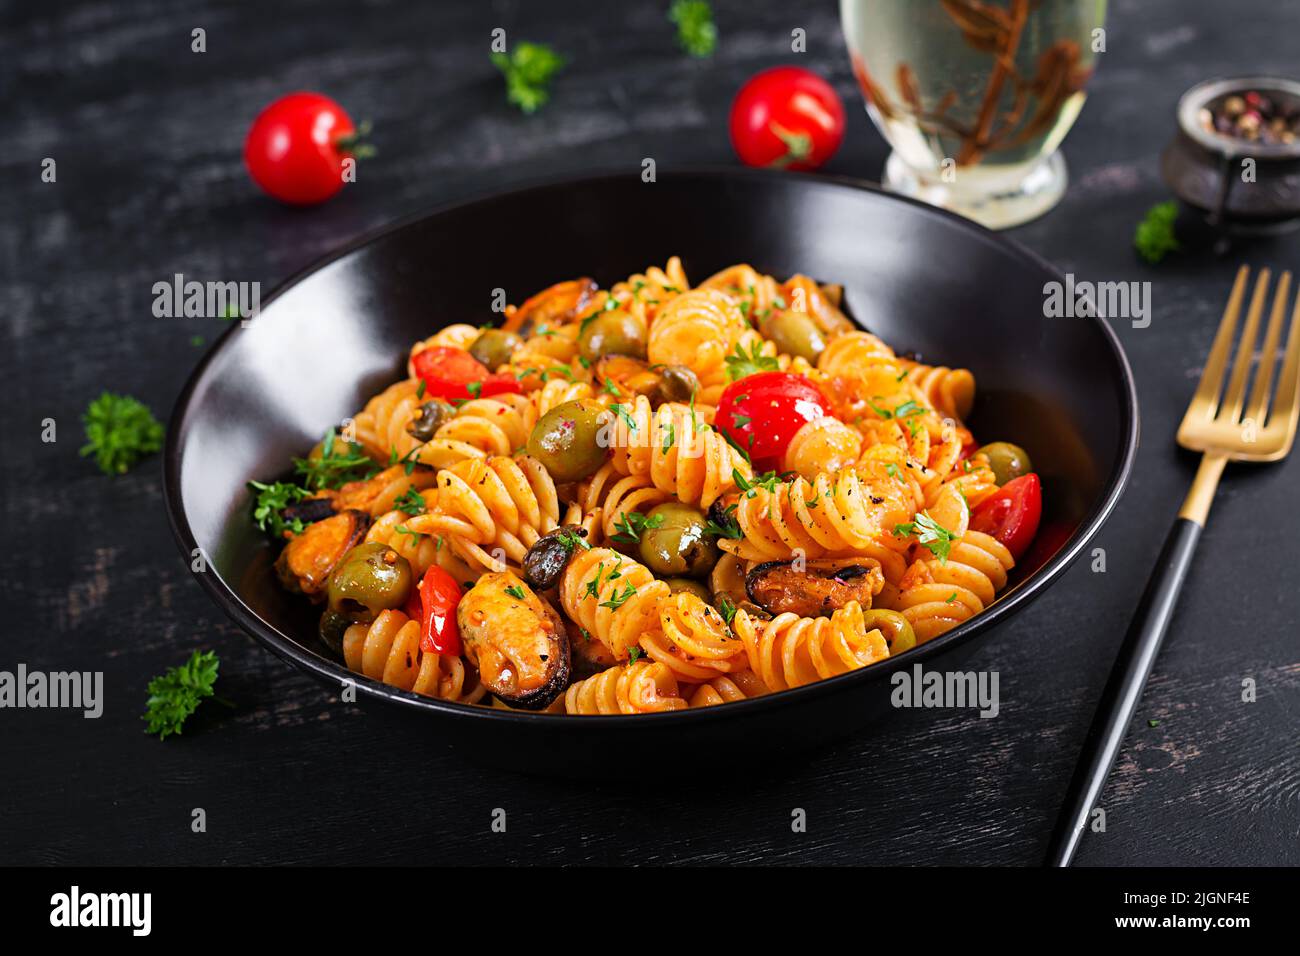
(630, 524)
(767, 482)
(670, 436)
(572, 540)
(271, 500)
(621, 412)
(741, 364)
(120, 430)
(1155, 236)
(728, 528)
(330, 469)
(516, 592)
(727, 610)
(634, 653)
(410, 502)
(930, 533)
(617, 598)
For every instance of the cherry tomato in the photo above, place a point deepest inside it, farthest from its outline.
(786, 117)
(449, 373)
(438, 595)
(296, 147)
(1012, 514)
(760, 413)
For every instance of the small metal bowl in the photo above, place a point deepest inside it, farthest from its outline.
(1205, 168)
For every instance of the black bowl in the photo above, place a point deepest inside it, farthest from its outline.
(923, 279)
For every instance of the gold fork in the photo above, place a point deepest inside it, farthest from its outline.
(1216, 426)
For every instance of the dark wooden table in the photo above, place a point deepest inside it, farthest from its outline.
(147, 137)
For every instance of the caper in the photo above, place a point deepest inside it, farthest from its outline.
(332, 626)
(678, 585)
(1007, 460)
(896, 629)
(795, 333)
(433, 415)
(494, 347)
(566, 440)
(612, 332)
(675, 542)
(372, 577)
(549, 556)
(677, 383)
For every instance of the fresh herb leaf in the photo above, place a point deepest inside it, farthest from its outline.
(271, 501)
(330, 469)
(411, 502)
(697, 34)
(516, 592)
(727, 610)
(621, 412)
(178, 692)
(1155, 236)
(572, 540)
(630, 524)
(475, 389)
(119, 432)
(930, 533)
(728, 528)
(670, 436)
(528, 71)
(634, 653)
(617, 598)
(741, 364)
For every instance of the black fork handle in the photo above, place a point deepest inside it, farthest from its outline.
(1124, 689)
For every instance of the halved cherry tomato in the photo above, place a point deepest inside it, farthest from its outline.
(449, 373)
(435, 605)
(786, 117)
(760, 413)
(1012, 514)
(296, 147)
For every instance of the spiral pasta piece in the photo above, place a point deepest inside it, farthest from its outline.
(637, 688)
(644, 294)
(692, 640)
(498, 503)
(612, 598)
(726, 689)
(936, 596)
(699, 329)
(790, 651)
(422, 551)
(676, 450)
(853, 512)
(607, 496)
(388, 650)
(824, 444)
(950, 391)
(381, 425)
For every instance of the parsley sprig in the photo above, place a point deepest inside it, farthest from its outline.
(930, 533)
(270, 503)
(178, 692)
(120, 430)
(1155, 236)
(528, 71)
(631, 524)
(741, 364)
(697, 34)
(335, 465)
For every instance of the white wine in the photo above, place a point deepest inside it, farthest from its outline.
(975, 96)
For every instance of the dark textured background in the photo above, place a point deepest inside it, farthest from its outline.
(147, 137)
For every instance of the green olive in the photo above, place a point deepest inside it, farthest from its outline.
(371, 578)
(678, 585)
(332, 626)
(1008, 461)
(433, 415)
(677, 383)
(612, 332)
(567, 439)
(795, 333)
(494, 347)
(675, 543)
(896, 629)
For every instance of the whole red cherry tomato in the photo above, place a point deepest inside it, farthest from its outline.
(786, 117)
(435, 605)
(760, 413)
(296, 147)
(450, 372)
(1012, 514)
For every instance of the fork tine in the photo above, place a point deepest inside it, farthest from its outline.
(1232, 397)
(1287, 407)
(1257, 406)
(1205, 401)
